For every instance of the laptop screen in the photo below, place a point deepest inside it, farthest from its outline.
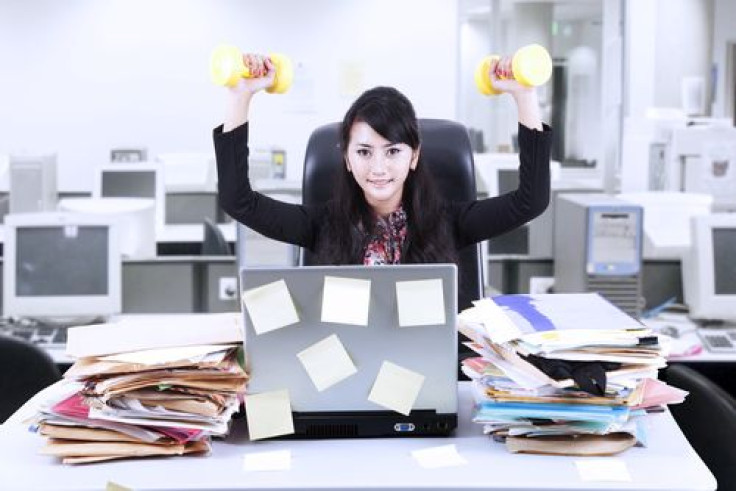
(300, 323)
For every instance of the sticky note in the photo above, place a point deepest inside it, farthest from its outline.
(327, 362)
(396, 388)
(112, 486)
(603, 469)
(420, 303)
(278, 460)
(269, 414)
(270, 307)
(441, 456)
(346, 300)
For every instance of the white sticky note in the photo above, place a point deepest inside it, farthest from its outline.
(442, 456)
(346, 300)
(420, 303)
(603, 469)
(396, 388)
(270, 307)
(278, 460)
(327, 362)
(269, 414)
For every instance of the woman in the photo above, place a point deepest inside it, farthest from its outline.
(385, 209)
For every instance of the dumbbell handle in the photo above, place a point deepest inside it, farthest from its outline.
(227, 67)
(530, 66)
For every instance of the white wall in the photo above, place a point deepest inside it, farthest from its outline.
(666, 41)
(683, 45)
(474, 109)
(83, 76)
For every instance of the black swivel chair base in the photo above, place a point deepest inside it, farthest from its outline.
(26, 369)
(708, 420)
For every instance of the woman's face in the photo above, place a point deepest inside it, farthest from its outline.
(379, 167)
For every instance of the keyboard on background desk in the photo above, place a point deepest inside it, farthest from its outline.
(45, 336)
(718, 340)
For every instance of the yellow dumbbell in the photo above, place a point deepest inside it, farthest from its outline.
(227, 67)
(530, 66)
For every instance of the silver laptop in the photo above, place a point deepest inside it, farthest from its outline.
(343, 409)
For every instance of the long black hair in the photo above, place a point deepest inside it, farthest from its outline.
(350, 219)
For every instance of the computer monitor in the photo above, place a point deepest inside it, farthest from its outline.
(189, 172)
(4, 172)
(33, 185)
(709, 269)
(489, 166)
(136, 180)
(61, 266)
(705, 158)
(136, 218)
(667, 217)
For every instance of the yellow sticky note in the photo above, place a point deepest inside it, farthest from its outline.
(396, 388)
(603, 469)
(270, 307)
(269, 414)
(441, 456)
(112, 486)
(420, 303)
(277, 460)
(346, 300)
(327, 362)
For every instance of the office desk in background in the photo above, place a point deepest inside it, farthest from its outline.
(689, 349)
(668, 463)
(185, 237)
(511, 273)
(176, 284)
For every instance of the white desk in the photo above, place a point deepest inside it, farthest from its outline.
(669, 463)
(177, 233)
(688, 339)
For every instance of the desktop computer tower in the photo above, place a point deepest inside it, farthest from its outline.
(33, 185)
(542, 229)
(598, 243)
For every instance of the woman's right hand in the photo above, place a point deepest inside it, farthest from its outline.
(262, 72)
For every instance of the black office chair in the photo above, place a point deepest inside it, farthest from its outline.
(447, 154)
(25, 369)
(708, 420)
(214, 243)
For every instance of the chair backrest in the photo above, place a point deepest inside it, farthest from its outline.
(447, 154)
(214, 243)
(708, 420)
(26, 369)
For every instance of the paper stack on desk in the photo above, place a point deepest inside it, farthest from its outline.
(162, 401)
(562, 373)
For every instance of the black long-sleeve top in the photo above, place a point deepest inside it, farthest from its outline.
(471, 221)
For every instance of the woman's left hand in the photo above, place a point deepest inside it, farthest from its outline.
(502, 79)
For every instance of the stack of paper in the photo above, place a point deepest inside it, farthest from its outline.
(147, 402)
(563, 373)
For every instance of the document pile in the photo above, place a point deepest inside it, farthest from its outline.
(563, 373)
(148, 401)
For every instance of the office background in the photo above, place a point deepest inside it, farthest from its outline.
(85, 76)
(89, 76)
